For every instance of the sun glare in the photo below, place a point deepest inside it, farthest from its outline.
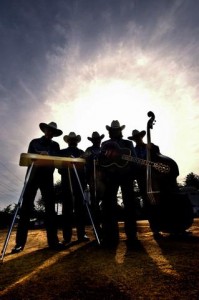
(125, 86)
(116, 99)
(104, 101)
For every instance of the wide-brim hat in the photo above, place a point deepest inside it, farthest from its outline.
(72, 136)
(115, 125)
(52, 126)
(95, 136)
(136, 133)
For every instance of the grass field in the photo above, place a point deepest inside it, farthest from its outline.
(167, 269)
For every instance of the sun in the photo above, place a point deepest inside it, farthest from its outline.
(113, 100)
(105, 100)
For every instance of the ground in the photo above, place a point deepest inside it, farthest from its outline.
(167, 269)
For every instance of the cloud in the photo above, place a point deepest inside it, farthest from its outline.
(118, 72)
(82, 64)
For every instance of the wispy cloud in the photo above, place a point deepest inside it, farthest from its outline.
(83, 64)
(121, 74)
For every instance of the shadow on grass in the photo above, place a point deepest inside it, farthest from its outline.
(24, 264)
(165, 269)
(83, 271)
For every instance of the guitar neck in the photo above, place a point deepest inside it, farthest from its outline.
(123, 154)
(161, 167)
(137, 160)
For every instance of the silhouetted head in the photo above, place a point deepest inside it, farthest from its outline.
(50, 130)
(137, 135)
(115, 130)
(72, 139)
(96, 138)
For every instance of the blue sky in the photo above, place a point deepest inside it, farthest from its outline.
(85, 63)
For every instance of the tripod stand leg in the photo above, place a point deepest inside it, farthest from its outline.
(95, 179)
(71, 188)
(15, 214)
(88, 210)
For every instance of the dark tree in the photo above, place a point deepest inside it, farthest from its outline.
(6, 216)
(192, 180)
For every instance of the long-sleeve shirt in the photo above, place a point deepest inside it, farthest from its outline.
(43, 144)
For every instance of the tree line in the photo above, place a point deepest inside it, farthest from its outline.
(6, 214)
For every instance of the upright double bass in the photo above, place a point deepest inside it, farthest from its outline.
(173, 210)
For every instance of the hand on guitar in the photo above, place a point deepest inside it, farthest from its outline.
(111, 153)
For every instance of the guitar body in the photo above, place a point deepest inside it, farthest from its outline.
(113, 155)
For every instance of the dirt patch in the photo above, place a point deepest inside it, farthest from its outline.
(167, 269)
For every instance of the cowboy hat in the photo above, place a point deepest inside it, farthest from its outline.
(115, 125)
(95, 135)
(52, 126)
(136, 133)
(72, 135)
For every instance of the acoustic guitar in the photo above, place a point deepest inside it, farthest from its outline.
(114, 155)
